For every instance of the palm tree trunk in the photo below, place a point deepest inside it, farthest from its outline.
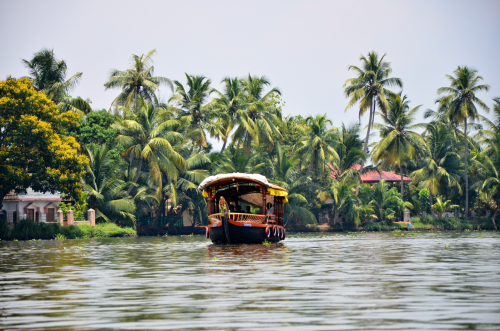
(158, 212)
(365, 148)
(223, 146)
(402, 190)
(402, 182)
(249, 145)
(466, 174)
(136, 178)
(430, 201)
(495, 215)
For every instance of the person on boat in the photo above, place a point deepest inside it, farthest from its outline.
(224, 210)
(270, 209)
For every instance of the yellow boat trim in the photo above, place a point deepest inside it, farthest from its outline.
(279, 193)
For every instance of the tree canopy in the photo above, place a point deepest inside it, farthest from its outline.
(35, 150)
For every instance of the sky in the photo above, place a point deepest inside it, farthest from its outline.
(302, 47)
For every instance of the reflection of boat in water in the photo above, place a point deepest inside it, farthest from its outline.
(244, 208)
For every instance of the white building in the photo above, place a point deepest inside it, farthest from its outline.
(37, 206)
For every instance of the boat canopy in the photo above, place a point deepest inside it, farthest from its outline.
(234, 178)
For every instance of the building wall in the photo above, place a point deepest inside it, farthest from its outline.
(35, 201)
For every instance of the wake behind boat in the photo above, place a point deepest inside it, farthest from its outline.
(243, 208)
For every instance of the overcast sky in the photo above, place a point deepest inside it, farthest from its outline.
(303, 47)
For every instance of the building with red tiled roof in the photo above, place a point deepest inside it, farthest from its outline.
(373, 176)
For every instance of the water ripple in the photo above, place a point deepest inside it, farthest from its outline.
(375, 281)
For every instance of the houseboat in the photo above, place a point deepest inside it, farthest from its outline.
(244, 208)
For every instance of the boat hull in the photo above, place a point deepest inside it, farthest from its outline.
(230, 233)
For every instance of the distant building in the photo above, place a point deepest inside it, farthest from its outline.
(41, 207)
(373, 176)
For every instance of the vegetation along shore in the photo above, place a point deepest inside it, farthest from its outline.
(138, 163)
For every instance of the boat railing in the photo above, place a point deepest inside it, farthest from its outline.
(243, 218)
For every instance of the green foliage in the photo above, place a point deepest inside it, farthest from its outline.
(60, 236)
(95, 128)
(423, 198)
(27, 230)
(31, 124)
(79, 208)
(148, 157)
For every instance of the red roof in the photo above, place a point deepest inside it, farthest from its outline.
(373, 176)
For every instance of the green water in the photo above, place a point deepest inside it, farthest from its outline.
(362, 281)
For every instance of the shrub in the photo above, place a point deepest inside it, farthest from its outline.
(427, 219)
(28, 229)
(4, 229)
(59, 236)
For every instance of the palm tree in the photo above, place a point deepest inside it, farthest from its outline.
(287, 175)
(148, 134)
(283, 168)
(369, 88)
(136, 82)
(106, 193)
(349, 149)
(317, 145)
(193, 108)
(489, 167)
(399, 144)
(384, 200)
(234, 160)
(462, 100)
(183, 189)
(296, 209)
(441, 166)
(345, 204)
(48, 74)
(441, 207)
(263, 118)
(229, 103)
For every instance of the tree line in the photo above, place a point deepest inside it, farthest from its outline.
(144, 152)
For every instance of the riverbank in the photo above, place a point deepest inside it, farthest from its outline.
(29, 230)
(418, 224)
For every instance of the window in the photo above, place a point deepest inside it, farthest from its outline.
(51, 214)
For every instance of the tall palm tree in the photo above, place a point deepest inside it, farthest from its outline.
(441, 166)
(370, 88)
(230, 103)
(105, 192)
(193, 108)
(317, 145)
(148, 135)
(399, 144)
(48, 74)
(263, 117)
(462, 100)
(136, 82)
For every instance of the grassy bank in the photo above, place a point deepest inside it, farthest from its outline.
(27, 230)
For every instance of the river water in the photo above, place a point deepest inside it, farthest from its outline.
(362, 281)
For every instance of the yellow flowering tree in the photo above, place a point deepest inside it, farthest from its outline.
(35, 150)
